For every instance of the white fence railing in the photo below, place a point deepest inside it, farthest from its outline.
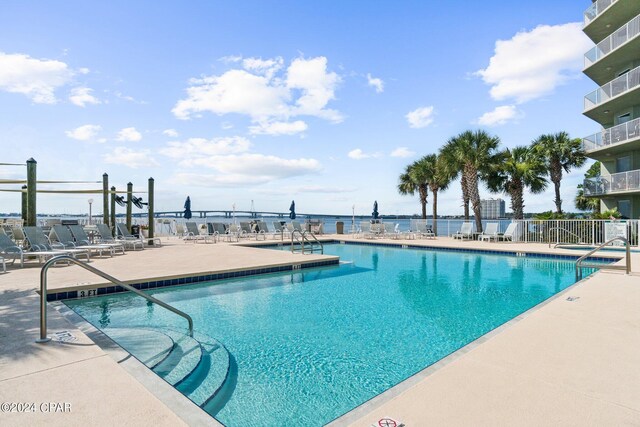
(618, 86)
(619, 37)
(614, 183)
(586, 231)
(614, 135)
(596, 9)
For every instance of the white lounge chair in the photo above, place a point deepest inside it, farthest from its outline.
(509, 232)
(466, 231)
(424, 230)
(63, 235)
(490, 232)
(124, 236)
(38, 242)
(10, 250)
(81, 237)
(281, 229)
(366, 230)
(193, 234)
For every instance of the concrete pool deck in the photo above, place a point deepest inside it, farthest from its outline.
(564, 362)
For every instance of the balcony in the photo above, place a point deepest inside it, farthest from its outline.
(617, 183)
(604, 15)
(618, 48)
(612, 97)
(613, 137)
(596, 9)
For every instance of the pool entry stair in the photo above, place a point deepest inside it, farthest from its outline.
(196, 365)
(305, 242)
(200, 367)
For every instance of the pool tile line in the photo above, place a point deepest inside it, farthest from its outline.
(467, 250)
(105, 290)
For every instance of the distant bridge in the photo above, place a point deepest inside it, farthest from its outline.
(250, 214)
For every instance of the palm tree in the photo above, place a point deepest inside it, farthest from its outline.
(560, 153)
(413, 180)
(437, 179)
(518, 169)
(471, 154)
(583, 202)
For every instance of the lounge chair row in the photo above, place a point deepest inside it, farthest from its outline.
(259, 230)
(489, 233)
(33, 243)
(392, 231)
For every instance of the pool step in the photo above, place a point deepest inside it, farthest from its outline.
(210, 375)
(149, 346)
(182, 360)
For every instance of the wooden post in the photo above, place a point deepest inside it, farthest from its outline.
(105, 198)
(129, 203)
(31, 192)
(152, 224)
(24, 204)
(113, 211)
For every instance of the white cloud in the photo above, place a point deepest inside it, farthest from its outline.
(402, 152)
(36, 78)
(129, 134)
(376, 83)
(84, 133)
(317, 86)
(278, 128)
(532, 64)
(265, 67)
(81, 96)
(420, 117)
(247, 169)
(171, 133)
(229, 59)
(194, 149)
(500, 115)
(265, 91)
(132, 158)
(358, 154)
(226, 125)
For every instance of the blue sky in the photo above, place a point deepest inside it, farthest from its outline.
(321, 102)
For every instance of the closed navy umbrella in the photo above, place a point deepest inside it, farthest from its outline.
(292, 210)
(375, 213)
(187, 208)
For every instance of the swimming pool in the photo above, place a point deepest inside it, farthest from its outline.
(303, 348)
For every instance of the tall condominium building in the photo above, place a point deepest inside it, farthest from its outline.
(492, 208)
(614, 65)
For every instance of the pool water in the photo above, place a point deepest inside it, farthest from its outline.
(309, 346)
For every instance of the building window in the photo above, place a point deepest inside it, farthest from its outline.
(624, 207)
(623, 164)
(624, 118)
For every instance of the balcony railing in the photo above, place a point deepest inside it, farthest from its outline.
(614, 183)
(619, 37)
(615, 135)
(612, 89)
(596, 9)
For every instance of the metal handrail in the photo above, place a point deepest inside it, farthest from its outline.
(566, 231)
(303, 241)
(43, 293)
(304, 233)
(626, 267)
(293, 234)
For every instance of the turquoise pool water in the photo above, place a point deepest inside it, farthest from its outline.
(306, 347)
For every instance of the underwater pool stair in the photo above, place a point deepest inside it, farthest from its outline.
(198, 366)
